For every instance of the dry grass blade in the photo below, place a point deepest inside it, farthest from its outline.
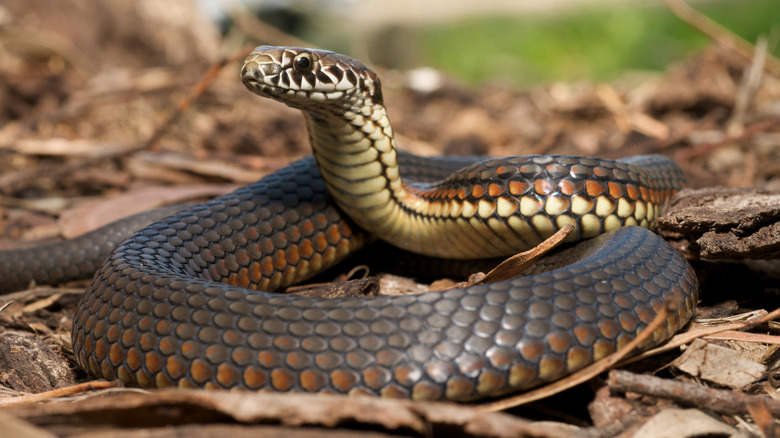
(733, 335)
(41, 304)
(56, 393)
(705, 25)
(39, 292)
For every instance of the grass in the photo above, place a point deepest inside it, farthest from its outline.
(596, 43)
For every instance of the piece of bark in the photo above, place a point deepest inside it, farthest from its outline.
(29, 364)
(723, 223)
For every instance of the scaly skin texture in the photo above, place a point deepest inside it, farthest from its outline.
(159, 312)
(180, 302)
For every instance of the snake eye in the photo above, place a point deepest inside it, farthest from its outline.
(302, 62)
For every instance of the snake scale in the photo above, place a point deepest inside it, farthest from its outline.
(185, 301)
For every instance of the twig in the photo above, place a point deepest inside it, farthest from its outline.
(56, 393)
(705, 25)
(719, 400)
(756, 338)
(40, 291)
(588, 372)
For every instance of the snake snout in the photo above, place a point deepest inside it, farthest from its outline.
(255, 73)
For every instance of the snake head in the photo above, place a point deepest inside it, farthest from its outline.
(305, 78)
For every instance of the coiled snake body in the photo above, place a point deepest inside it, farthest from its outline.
(179, 303)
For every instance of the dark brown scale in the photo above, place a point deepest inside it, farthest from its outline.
(337, 73)
(322, 77)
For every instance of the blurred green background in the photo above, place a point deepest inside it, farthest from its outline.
(598, 43)
(575, 40)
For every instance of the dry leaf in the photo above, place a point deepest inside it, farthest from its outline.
(682, 423)
(720, 365)
(87, 217)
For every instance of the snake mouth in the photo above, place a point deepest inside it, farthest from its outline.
(295, 98)
(273, 81)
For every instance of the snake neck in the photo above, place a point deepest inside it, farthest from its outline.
(355, 151)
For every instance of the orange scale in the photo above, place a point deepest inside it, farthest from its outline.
(134, 359)
(227, 376)
(615, 189)
(306, 249)
(154, 362)
(333, 234)
(495, 190)
(343, 380)
(307, 227)
(518, 187)
(255, 378)
(544, 186)
(312, 380)
(282, 380)
(568, 187)
(594, 188)
(478, 191)
(242, 278)
(116, 354)
(321, 242)
(632, 191)
(292, 255)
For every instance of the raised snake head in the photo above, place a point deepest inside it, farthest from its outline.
(307, 78)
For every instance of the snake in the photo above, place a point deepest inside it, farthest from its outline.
(189, 301)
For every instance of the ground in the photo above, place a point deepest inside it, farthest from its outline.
(87, 135)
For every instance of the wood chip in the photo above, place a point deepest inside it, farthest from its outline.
(721, 223)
